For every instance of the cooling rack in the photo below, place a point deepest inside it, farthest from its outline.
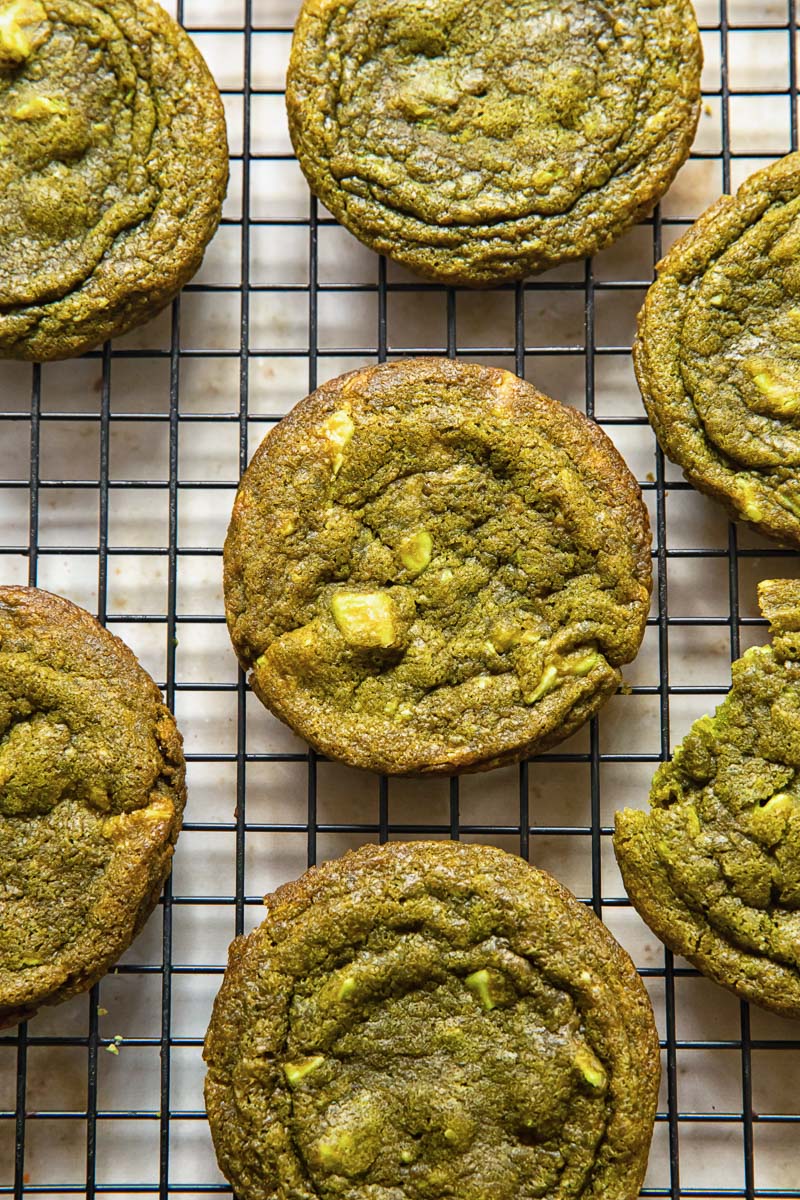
(117, 475)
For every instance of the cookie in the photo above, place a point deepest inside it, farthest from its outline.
(718, 352)
(113, 170)
(91, 799)
(714, 867)
(476, 141)
(431, 1020)
(431, 567)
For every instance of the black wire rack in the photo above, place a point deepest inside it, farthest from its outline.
(87, 1111)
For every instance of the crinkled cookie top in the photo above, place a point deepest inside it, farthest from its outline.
(433, 567)
(91, 798)
(718, 352)
(113, 166)
(479, 140)
(431, 1020)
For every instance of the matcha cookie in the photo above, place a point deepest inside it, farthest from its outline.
(113, 168)
(714, 867)
(718, 352)
(483, 140)
(431, 1020)
(91, 799)
(431, 567)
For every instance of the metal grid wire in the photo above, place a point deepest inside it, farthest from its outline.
(715, 1136)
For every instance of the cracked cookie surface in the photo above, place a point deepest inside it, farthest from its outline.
(718, 352)
(481, 140)
(432, 567)
(91, 799)
(714, 867)
(113, 168)
(429, 1020)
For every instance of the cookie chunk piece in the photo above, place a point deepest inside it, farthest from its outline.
(714, 867)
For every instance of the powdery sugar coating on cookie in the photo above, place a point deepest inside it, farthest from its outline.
(480, 140)
(433, 567)
(718, 352)
(425, 1021)
(714, 867)
(91, 799)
